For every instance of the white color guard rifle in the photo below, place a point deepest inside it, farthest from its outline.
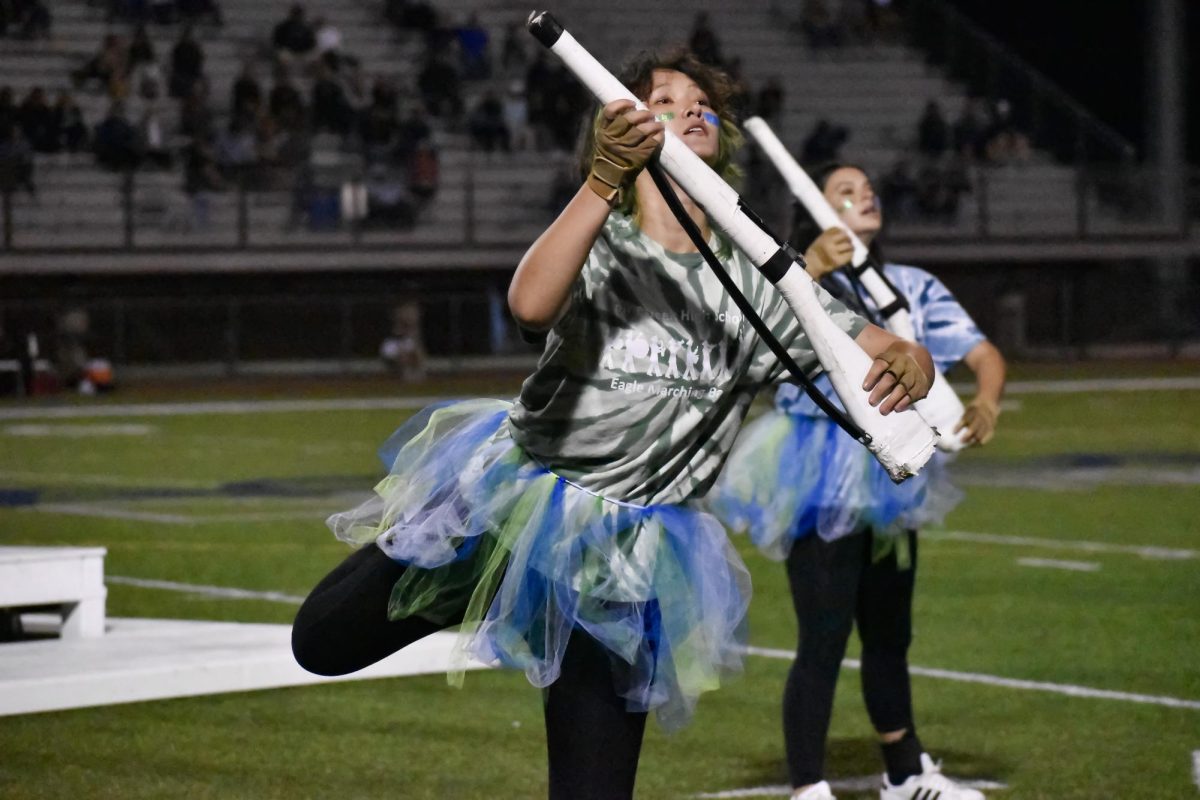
(941, 407)
(902, 442)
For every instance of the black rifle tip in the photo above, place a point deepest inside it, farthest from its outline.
(544, 27)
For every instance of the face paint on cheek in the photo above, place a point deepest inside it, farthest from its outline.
(847, 205)
(711, 118)
(666, 116)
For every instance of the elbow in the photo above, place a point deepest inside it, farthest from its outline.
(529, 313)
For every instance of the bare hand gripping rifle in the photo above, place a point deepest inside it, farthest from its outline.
(902, 442)
(941, 407)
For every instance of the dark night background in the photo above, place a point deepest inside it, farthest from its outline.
(1096, 50)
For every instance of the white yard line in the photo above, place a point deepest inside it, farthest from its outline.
(1165, 553)
(218, 407)
(107, 512)
(223, 592)
(1067, 689)
(1196, 768)
(1053, 563)
(104, 480)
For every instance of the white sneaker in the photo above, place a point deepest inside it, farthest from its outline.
(818, 791)
(931, 784)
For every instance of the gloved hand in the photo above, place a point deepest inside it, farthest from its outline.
(896, 379)
(830, 250)
(625, 140)
(979, 420)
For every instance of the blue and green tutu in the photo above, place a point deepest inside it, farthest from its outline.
(795, 475)
(534, 559)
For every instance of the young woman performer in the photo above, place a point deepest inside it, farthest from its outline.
(559, 527)
(807, 494)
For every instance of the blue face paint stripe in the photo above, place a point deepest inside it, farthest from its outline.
(711, 118)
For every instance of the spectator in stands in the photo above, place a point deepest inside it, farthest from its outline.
(537, 84)
(195, 114)
(327, 36)
(187, 63)
(1003, 140)
(424, 171)
(413, 15)
(115, 142)
(8, 107)
(820, 26)
(246, 95)
(389, 204)
(568, 101)
(284, 103)
(32, 19)
(37, 121)
(16, 159)
(236, 148)
(440, 87)
(141, 48)
(379, 126)
(331, 110)
(109, 66)
(486, 124)
(193, 11)
(741, 101)
(703, 40)
(162, 12)
(475, 57)
(516, 117)
(404, 350)
(293, 38)
(153, 134)
(69, 122)
(769, 102)
(933, 133)
(824, 143)
(898, 190)
(201, 178)
(512, 50)
(411, 131)
(968, 131)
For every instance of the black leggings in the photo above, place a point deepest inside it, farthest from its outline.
(593, 742)
(834, 584)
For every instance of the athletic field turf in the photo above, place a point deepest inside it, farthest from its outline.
(1057, 637)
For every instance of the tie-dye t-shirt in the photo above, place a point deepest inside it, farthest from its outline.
(941, 325)
(644, 383)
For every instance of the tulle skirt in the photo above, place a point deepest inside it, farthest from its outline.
(534, 559)
(790, 475)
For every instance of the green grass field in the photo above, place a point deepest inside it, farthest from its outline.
(237, 500)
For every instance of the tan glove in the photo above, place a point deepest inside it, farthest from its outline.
(979, 419)
(896, 379)
(622, 149)
(830, 250)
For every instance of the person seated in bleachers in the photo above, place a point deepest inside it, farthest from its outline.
(933, 133)
(513, 57)
(200, 179)
(157, 151)
(703, 40)
(69, 123)
(293, 39)
(195, 113)
(284, 102)
(412, 130)
(486, 124)
(1004, 143)
(37, 121)
(424, 171)
(141, 48)
(474, 52)
(193, 11)
(16, 159)
(31, 19)
(768, 104)
(968, 131)
(516, 117)
(824, 143)
(440, 87)
(246, 94)
(236, 150)
(109, 66)
(115, 142)
(331, 109)
(379, 124)
(187, 63)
